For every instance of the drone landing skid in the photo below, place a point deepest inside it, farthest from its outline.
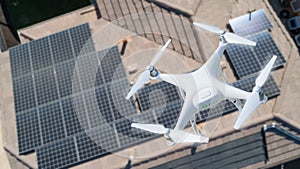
(173, 136)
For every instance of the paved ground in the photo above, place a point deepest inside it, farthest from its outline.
(3, 158)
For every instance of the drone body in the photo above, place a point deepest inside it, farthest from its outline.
(203, 90)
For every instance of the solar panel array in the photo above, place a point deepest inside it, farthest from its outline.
(248, 60)
(251, 23)
(42, 77)
(48, 121)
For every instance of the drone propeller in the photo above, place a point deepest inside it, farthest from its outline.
(145, 76)
(257, 96)
(264, 74)
(229, 37)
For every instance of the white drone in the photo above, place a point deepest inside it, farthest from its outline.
(203, 90)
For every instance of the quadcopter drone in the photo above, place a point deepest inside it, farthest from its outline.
(203, 90)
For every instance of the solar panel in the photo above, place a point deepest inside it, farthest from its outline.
(65, 75)
(28, 130)
(87, 68)
(70, 116)
(156, 95)
(117, 90)
(45, 84)
(248, 60)
(168, 116)
(81, 39)
(40, 53)
(19, 60)
(61, 46)
(57, 155)
(42, 73)
(248, 24)
(51, 121)
(24, 96)
(96, 116)
(110, 63)
(104, 136)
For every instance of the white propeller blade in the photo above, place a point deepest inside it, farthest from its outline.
(208, 27)
(229, 37)
(263, 76)
(233, 38)
(154, 128)
(251, 104)
(159, 53)
(144, 77)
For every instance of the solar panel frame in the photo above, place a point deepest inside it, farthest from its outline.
(247, 60)
(251, 23)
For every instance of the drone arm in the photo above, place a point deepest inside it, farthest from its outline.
(214, 61)
(237, 103)
(179, 80)
(187, 113)
(235, 93)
